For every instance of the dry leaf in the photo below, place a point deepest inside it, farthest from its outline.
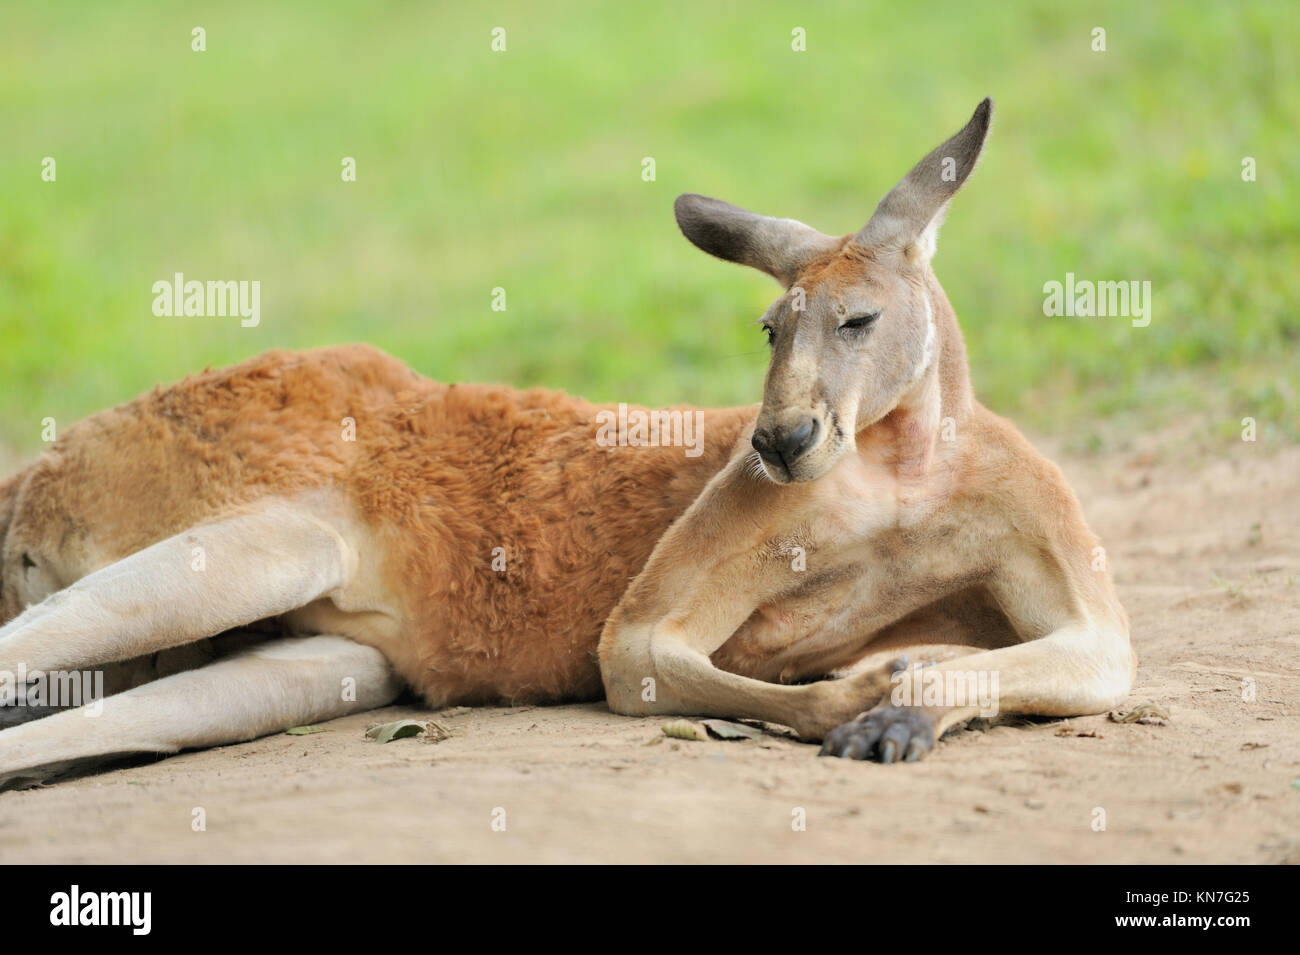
(706, 729)
(427, 730)
(723, 729)
(1068, 730)
(685, 729)
(1140, 714)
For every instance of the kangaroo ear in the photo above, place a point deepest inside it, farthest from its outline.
(908, 218)
(779, 247)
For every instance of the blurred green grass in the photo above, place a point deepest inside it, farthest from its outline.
(523, 170)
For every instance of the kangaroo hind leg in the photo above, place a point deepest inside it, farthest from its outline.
(264, 561)
(264, 689)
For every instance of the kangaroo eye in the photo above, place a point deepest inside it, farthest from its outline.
(771, 334)
(858, 322)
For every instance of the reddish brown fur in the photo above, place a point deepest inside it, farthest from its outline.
(520, 471)
(443, 474)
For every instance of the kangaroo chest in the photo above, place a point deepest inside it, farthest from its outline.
(873, 551)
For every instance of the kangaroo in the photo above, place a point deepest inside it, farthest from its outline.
(307, 535)
(877, 506)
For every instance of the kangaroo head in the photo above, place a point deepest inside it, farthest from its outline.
(854, 332)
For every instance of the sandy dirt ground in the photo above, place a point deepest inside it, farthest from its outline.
(1205, 547)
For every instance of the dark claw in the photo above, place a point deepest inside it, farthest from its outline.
(858, 748)
(894, 741)
(883, 734)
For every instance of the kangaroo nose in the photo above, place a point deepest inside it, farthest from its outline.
(786, 445)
